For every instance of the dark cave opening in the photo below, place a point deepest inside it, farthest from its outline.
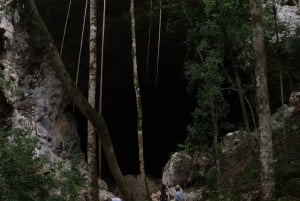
(166, 109)
(165, 117)
(166, 112)
(166, 105)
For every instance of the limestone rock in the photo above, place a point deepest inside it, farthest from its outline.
(178, 169)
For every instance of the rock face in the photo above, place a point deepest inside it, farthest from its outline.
(287, 14)
(31, 96)
(294, 103)
(287, 111)
(34, 96)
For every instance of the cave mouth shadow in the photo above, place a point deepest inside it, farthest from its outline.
(166, 112)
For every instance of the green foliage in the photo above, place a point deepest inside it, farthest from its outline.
(19, 172)
(287, 164)
(68, 180)
(239, 170)
(18, 168)
(206, 80)
(217, 36)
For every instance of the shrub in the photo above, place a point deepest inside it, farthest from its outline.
(19, 172)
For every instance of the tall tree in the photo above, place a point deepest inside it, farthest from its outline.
(263, 107)
(91, 142)
(78, 98)
(138, 101)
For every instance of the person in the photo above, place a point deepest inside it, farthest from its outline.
(178, 193)
(163, 194)
(116, 197)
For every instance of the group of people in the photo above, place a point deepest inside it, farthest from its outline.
(162, 195)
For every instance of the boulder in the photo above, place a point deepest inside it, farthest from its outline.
(178, 169)
(294, 103)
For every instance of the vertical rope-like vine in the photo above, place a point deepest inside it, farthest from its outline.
(81, 41)
(149, 41)
(65, 28)
(158, 43)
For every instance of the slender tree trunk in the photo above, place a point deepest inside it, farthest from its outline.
(263, 107)
(138, 102)
(215, 133)
(78, 98)
(91, 142)
(241, 98)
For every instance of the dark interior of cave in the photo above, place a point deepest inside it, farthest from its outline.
(166, 107)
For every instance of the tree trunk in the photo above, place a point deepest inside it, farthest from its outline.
(78, 98)
(138, 102)
(215, 144)
(91, 142)
(241, 98)
(263, 107)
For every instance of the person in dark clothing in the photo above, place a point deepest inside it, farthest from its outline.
(163, 194)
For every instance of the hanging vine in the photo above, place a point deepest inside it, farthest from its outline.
(65, 28)
(158, 43)
(149, 41)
